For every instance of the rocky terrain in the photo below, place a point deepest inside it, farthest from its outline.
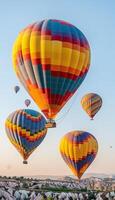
(67, 188)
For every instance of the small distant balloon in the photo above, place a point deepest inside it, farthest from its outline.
(27, 102)
(16, 89)
(91, 104)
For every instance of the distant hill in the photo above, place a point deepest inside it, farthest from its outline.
(99, 175)
(88, 175)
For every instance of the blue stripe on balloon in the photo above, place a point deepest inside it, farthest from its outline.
(88, 160)
(61, 85)
(79, 164)
(29, 125)
(60, 29)
(32, 112)
(81, 138)
(77, 83)
(28, 146)
(40, 75)
(25, 143)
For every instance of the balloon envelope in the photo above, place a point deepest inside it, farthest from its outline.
(25, 130)
(78, 150)
(91, 103)
(51, 59)
(16, 88)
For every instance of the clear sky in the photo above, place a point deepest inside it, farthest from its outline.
(96, 19)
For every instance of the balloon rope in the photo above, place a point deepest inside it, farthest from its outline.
(67, 111)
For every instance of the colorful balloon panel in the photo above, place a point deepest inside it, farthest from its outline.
(51, 58)
(91, 103)
(78, 149)
(25, 130)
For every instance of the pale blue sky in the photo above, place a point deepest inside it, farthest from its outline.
(96, 19)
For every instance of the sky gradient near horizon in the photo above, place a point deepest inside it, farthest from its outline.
(96, 19)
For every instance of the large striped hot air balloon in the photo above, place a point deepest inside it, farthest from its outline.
(51, 59)
(78, 150)
(91, 103)
(25, 130)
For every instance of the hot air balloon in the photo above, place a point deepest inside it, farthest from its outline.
(26, 130)
(16, 88)
(78, 149)
(91, 103)
(27, 102)
(51, 59)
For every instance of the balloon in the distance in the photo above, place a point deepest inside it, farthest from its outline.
(16, 88)
(51, 59)
(78, 150)
(25, 129)
(91, 103)
(27, 102)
